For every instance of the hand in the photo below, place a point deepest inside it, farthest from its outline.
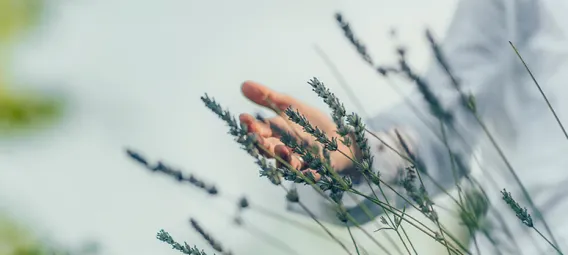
(269, 138)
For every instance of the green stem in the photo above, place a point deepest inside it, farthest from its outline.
(517, 179)
(321, 193)
(541, 91)
(313, 216)
(548, 241)
(352, 238)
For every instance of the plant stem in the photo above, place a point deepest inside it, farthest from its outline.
(335, 71)
(546, 239)
(423, 228)
(540, 90)
(362, 206)
(400, 195)
(313, 216)
(517, 179)
(315, 187)
(352, 238)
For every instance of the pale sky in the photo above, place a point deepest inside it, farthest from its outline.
(134, 71)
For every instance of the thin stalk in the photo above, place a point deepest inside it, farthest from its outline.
(315, 187)
(352, 239)
(517, 179)
(352, 96)
(362, 206)
(260, 234)
(493, 242)
(435, 219)
(270, 239)
(416, 223)
(540, 90)
(546, 239)
(476, 245)
(501, 220)
(313, 216)
(378, 202)
(378, 226)
(464, 98)
(274, 215)
(469, 178)
(452, 161)
(397, 193)
(335, 71)
(365, 208)
(389, 205)
(341, 80)
(389, 218)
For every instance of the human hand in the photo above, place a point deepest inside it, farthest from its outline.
(267, 130)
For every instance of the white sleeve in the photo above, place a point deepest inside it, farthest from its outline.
(475, 46)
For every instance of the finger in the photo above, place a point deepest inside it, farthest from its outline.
(312, 172)
(268, 145)
(278, 125)
(293, 160)
(267, 97)
(255, 126)
(286, 154)
(272, 127)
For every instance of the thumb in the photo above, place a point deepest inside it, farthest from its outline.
(267, 97)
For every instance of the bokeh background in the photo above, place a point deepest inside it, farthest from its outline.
(129, 73)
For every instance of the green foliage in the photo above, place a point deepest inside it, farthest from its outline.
(24, 113)
(18, 239)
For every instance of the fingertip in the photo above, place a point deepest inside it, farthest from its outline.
(282, 151)
(248, 83)
(265, 96)
(258, 93)
(246, 118)
(315, 174)
(260, 139)
(286, 154)
(245, 86)
(252, 89)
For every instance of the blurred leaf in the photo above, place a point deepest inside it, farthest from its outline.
(15, 239)
(24, 111)
(16, 16)
(29, 111)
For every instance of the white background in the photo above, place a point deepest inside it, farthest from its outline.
(134, 71)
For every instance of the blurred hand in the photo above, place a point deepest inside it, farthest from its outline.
(269, 137)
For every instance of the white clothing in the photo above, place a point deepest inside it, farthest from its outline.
(478, 51)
